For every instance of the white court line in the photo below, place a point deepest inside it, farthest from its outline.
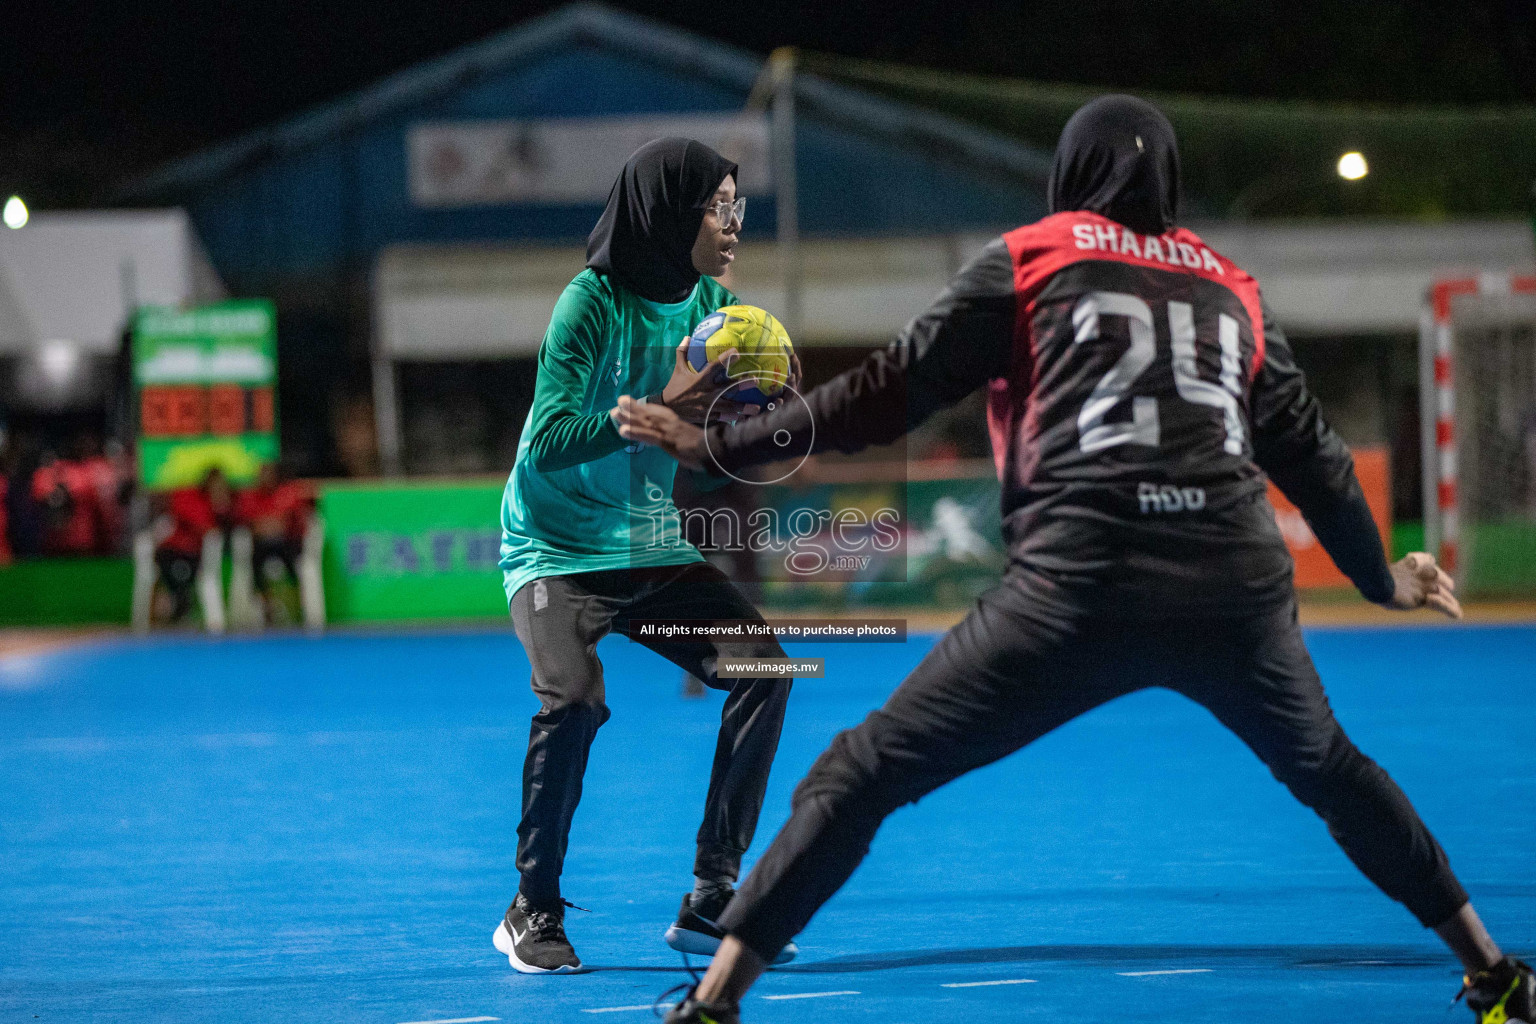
(815, 995)
(1148, 974)
(981, 984)
(454, 1020)
(617, 1009)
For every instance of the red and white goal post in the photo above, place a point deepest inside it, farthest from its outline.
(1477, 402)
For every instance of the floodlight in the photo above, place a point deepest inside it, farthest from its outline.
(15, 213)
(1352, 166)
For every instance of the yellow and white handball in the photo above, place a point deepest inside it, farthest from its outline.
(761, 366)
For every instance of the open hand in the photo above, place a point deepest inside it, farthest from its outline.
(662, 427)
(693, 394)
(1420, 583)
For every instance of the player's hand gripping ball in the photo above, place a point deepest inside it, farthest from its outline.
(761, 367)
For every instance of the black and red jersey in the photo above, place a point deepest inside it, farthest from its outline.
(1138, 392)
(1131, 358)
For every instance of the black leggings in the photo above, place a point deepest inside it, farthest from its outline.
(1015, 669)
(560, 619)
(179, 574)
(273, 559)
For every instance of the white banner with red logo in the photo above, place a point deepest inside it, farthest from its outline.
(498, 162)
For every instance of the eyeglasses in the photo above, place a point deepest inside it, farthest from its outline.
(725, 211)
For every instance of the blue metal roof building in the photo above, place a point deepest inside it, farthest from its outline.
(309, 211)
(323, 192)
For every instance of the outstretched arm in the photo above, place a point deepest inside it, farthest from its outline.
(959, 343)
(1312, 466)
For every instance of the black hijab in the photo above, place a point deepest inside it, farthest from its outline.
(645, 236)
(1118, 157)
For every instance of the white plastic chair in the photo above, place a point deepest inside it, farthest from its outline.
(311, 579)
(210, 588)
(145, 573)
(244, 609)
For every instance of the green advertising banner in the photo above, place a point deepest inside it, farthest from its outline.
(206, 383)
(949, 550)
(398, 551)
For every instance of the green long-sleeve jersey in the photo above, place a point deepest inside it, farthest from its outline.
(581, 498)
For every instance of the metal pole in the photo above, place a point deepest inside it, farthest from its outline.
(786, 191)
(120, 410)
(386, 414)
(128, 282)
(1429, 452)
(386, 390)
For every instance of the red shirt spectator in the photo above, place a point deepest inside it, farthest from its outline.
(273, 509)
(196, 510)
(68, 495)
(106, 478)
(193, 516)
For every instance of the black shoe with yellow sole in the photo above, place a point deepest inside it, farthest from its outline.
(691, 1011)
(1503, 994)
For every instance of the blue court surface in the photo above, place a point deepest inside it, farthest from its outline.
(295, 829)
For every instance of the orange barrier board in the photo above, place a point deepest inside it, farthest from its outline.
(1313, 566)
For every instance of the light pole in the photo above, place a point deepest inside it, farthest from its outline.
(786, 188)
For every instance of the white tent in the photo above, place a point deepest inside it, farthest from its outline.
(75, 276)
(69, 283)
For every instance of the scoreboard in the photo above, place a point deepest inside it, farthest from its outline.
(198, 410)
(205, 382)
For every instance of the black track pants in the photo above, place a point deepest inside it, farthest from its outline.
(1017, 668)
(560, 619)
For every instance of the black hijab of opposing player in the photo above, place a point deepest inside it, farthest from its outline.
(1118, 157)
(645, 236)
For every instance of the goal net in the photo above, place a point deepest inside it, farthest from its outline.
(1478, 403)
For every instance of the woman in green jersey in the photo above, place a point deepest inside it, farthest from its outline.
(590, 540)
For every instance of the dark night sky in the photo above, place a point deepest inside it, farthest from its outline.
(94, 89)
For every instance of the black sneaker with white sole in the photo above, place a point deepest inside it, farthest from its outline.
(696, 932)
(532, 934)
